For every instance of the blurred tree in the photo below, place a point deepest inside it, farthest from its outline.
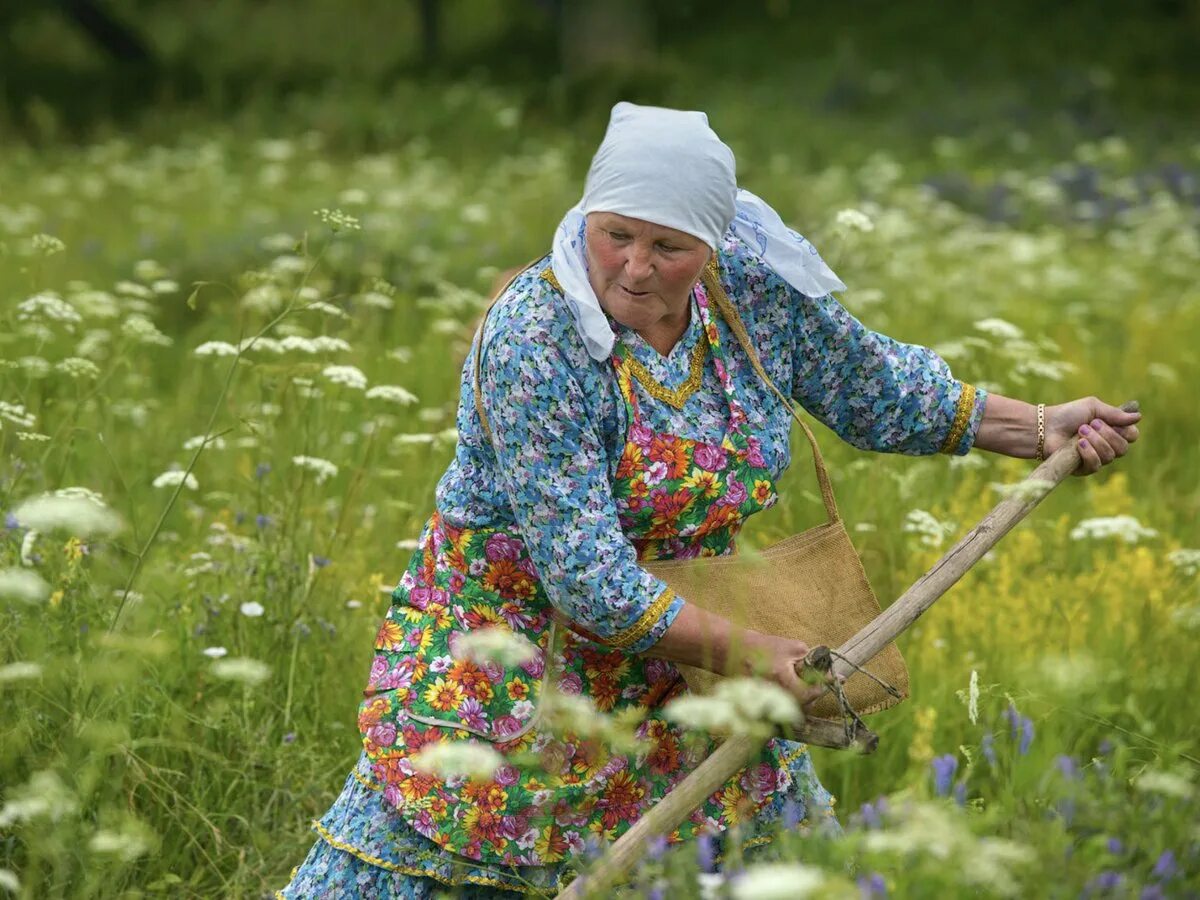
(116, 38)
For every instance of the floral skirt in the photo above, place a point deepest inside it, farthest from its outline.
(366, 851)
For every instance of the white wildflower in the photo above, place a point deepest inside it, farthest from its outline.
(289, 264)
(44, 796)
(23, 585)
(127, 843)
(323, 343)
(1186, 560)
(376, 300)
(28, 542)
(263, 298)
(347, 376)
(251, 609)
(15, 413)
(49, 306)
(241, 668)
(95, 304)
(133, 289)
(36, 436)
(1171, 784)
(463, 759)
(999, 328)
(216, 442)
(854, 220)
(34, 366)
(407, 544)
(495, 644)
(9, 881)
(353, 197)
(215, 652)
(417, 438)
(175, 477)
(20, 671)
(932, 532)
(393, 393)
(1187, 617)
(165, 286)
(337, 219)
(778, 881)
(969, 461)
(400, 354)
(328, 308)
(735, 706)
(973, 698)
(323, 468)
(79, 516)
(262, 345)
(75, 367)
(142, 331)
(1126, 528)
(216, 348)
(47, 244)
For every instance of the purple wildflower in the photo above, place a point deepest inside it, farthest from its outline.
(705, 853)
(1165, 867)
(872, 814)
(960, 793)
(289, 737)
(1103, 883)
(1152, 892)
(1068, 766)
(1115, 846)
(658, 846)
(944, 768)
(1106, 747)
(321, 561)
(793, 814)
(262, 470)
(262, 520)
(1014, 719)
(989, 748)
(872, 887)
(10, 521)
(656, 893)
(1026, 734)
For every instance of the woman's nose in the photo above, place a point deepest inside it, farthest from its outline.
(638, 265)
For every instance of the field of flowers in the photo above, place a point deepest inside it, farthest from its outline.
(228, 380)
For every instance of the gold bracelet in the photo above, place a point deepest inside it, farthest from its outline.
(1041, 442)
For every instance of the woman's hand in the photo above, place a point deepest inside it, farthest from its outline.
(784, 658)
(1105, 432)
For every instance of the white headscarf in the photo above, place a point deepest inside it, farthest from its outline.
(667, 166)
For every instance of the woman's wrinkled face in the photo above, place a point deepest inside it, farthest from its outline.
(642, 273)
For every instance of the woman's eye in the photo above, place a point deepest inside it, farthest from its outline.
(667, 248)
(618, 236)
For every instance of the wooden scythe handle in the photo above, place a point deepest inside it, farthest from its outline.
(737, 751)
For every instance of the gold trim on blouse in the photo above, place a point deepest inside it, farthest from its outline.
(962, 416)
(642, 626)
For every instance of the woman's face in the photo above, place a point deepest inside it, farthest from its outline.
(642, 273)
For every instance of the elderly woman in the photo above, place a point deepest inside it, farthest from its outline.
(609, 416)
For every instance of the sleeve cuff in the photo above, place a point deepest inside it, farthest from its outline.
(968, 413)
(651, 624)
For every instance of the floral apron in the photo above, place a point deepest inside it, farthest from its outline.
(676, 497)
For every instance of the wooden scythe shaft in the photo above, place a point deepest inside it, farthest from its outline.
(737, 751)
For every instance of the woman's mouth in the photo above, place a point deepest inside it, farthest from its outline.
(630, 293)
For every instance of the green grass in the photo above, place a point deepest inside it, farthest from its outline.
(207, 785)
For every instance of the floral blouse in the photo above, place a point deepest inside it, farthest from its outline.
(559, 424)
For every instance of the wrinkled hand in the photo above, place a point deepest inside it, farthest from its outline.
(785, 660)
(1105, 432)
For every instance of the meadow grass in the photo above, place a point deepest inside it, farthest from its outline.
(180, 697)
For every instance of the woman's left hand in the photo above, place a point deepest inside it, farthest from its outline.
(1105, 432)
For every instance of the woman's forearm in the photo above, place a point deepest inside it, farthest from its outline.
(1009, 427)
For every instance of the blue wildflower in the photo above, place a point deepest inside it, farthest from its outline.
(321, 561)
(705, 853)
(872, 887)
(1115, 846)
(658, 846)
(793, 814)
(262, 520)
(944, 768)
(10, 521)
(1152, 892)
(289, 737)
(1165, 867)
(262, 470)
(872, 814)
(1014, 719)
(1026, 734)
(960, 793)
(1068, 766)
(1103, 883)
(1106, 747)
(989, 748)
